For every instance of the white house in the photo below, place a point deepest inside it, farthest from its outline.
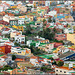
(6, 31)
(20, 39)
(21, 21)
(52, 13)
(47, 3)
(29, 42)
(4, 40)
(5, 59)
(34, 61)
(9, 43)
(68, 30)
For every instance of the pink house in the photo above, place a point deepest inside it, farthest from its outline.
(61, 36)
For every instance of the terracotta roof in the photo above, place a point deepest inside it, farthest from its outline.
(4, 22)
(67, 68)
(18, 59)
(33, 57)
(4, 57)
(27, 51)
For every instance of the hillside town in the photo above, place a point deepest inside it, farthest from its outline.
(37, 37)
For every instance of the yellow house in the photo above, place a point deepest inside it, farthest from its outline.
(22, 16)
(13, 7)
(13, 34)
(20, 27)
(71, 37)
(31, 17)
(22, 51)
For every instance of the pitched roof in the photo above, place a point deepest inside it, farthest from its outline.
(33, 57)
(66, 68)
(65, 54)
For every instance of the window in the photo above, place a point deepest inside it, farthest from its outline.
(19, 52)
(22, 39)
(60, 71)
(56, 70)
(64, 71)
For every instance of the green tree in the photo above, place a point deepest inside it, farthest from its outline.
(54, 63)
(67, 25)
(54, 30)
(54, 20)
(13, 57)
(28, 29)
(17, 44)
(60, 63)
(44, 20)
(47, 34)
(49, 19)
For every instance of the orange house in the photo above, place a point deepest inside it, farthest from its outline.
(2, 49)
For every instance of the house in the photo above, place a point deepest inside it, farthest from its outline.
(20, 51)
(33, 43)
(32, 71)
(61, 50)
(9, 43)
(17, 37)
(4, 40)
(47, 3)
(6, 58)
(4, 6)
(2, 63)
(68, 30)
(2, 22)
(10, 19)
(63, 70)
(24, 71)
(70, 55)
(61, 36)
(34, 61)
(39, 61)
(22, 8)
(5, 49)
(56, 44)
(6, 31)
(21, 21)
(17, 71)
(15, 33)
(20, 39)
(36, 41)
(71, 37)
(46, 47)
(1, 27)
(52, 13)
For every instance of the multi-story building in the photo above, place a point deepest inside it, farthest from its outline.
(20, 39)
(22, 8)
(63, 70)
(21, 21)
(10, 19)
(20, 51)
(15, 33)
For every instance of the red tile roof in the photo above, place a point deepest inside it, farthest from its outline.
(4, 22)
